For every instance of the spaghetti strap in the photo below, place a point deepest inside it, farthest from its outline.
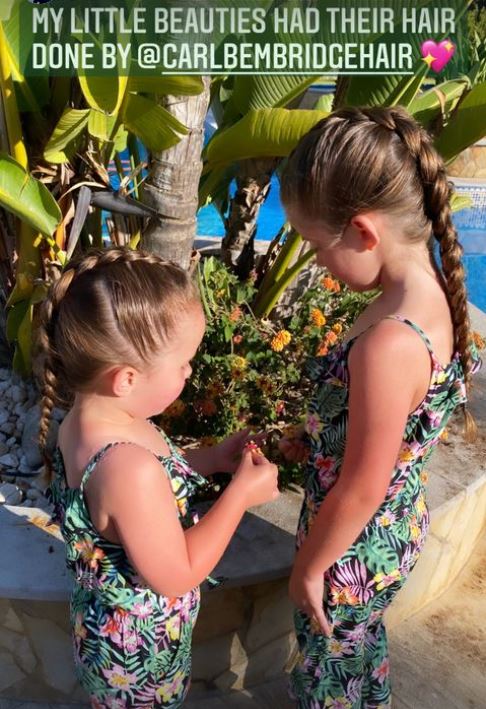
(417, 329)
(95, 459)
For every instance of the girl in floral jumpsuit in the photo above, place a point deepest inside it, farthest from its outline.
(119, 328)
(367, 190)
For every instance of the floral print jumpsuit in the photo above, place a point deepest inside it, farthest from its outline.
(132, 647)
(350, 670)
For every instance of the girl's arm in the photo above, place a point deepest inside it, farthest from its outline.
(137, 498)
(203, 460)
(390, 373)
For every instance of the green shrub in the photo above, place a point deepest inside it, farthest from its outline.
(251, 372)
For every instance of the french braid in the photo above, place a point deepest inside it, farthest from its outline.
(109, 306)
(395, 168)
(437, 196)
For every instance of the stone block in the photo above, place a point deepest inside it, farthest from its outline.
(10, 673)
(17, 646)
(272, 616)
(215, 657)
(52, 646)
(222, 611)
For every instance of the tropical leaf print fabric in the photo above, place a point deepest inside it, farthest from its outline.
(132, 647)
(350, 670)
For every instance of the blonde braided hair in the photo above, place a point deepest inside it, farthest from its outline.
(109, 307)
(395, 168)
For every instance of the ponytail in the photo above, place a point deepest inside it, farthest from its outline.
(437, 198)
(45, 346)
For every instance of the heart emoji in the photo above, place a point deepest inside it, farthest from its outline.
(437, 55)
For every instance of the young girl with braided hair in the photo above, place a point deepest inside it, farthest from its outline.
(366, 188)
(119, 329)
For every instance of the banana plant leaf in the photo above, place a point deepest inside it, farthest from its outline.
(379, 90)
(26, 197)
(441, 99)
(104, 93)
(466, 126)
(166, 85)
(63, 144)
(270, 132)
(153, 124)
(101, 125)
(6, 9)
(32, 94)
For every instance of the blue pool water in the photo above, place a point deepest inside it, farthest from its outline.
(470, 223)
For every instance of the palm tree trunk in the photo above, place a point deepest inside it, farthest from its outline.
(173, 181)
(252, 188)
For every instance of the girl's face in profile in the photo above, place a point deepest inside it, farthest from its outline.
(164, 381)
(347, 256)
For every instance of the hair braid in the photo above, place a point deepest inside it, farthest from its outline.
(437, 195)
(45, 349)
(394, 168)
(101, 312)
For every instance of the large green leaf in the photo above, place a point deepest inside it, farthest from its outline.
(407, 89)
(62, 143)
(270, 132)
(26, 197)
(104, 93)
(31, 93)
(267, 91)
(6, 8)
(379, 90)
(153, 124)
(166, 85)
(19, 329)
(467, 125)
(442, 98)
(214, 186)
(101, 125)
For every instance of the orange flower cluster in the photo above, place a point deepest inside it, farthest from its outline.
(236, 314)
(337, 328)
(331, 284)
(329, 340)
(478, 340)
(317, 317)
(281, 340)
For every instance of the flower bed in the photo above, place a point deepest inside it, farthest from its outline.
(251, 371)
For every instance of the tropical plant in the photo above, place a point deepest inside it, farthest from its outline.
(66, 132)
(250, 371)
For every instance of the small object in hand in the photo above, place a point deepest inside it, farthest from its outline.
(253, 447)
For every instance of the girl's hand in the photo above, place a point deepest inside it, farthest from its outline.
(308, 594)
(257, 479)
(228, 453)
(294, 450)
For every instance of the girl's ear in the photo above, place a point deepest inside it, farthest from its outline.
(367, 230)
(123, 380)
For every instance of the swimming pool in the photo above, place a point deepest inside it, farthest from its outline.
(470, 223)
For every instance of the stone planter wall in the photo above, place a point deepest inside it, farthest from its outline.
(470, 163)
(244, 636)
